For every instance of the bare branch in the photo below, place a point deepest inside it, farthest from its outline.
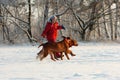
(14, 16)
(76, 17)
(23, 29)
(62, 12)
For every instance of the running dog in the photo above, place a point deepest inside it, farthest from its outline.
(61, 46)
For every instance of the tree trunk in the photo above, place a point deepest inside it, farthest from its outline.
(83, 35)
(116, 22)
(46, 12)
(99, 32)
(29, 21)
(0, 14)
(92, 16)
(105, 28)
(111, 23)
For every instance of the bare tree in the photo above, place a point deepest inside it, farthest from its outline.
(104, 22)
(117, 18)
(46, 9)
(86, 25)
(5, 29)
(86, 19)
(111, 22)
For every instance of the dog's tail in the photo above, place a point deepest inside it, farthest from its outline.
(40, 54)
(40, 45)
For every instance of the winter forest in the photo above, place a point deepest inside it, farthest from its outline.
(94, 24)
(85, 20)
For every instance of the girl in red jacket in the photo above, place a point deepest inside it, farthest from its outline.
(51, 31)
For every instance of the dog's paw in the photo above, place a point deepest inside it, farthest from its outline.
(73, 55)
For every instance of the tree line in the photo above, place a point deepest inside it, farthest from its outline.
(24, 20)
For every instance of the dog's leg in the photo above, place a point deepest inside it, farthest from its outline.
(66, 53)
(51, 54)
(42, 57)
(62, 55)
(54, 53)
(44, 54)
(71, 53)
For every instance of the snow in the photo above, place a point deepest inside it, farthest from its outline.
(93, 61)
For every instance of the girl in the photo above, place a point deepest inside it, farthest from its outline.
(51, 30)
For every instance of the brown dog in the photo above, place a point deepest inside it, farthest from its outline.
(52, 48)
(71, 43)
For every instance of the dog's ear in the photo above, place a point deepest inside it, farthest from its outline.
(63, 37)
(68, 37)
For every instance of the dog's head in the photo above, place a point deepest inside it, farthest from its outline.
(70, 42)
(73, 42)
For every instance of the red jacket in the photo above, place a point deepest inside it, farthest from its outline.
(51, 31)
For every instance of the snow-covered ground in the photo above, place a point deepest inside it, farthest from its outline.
(93, 61)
